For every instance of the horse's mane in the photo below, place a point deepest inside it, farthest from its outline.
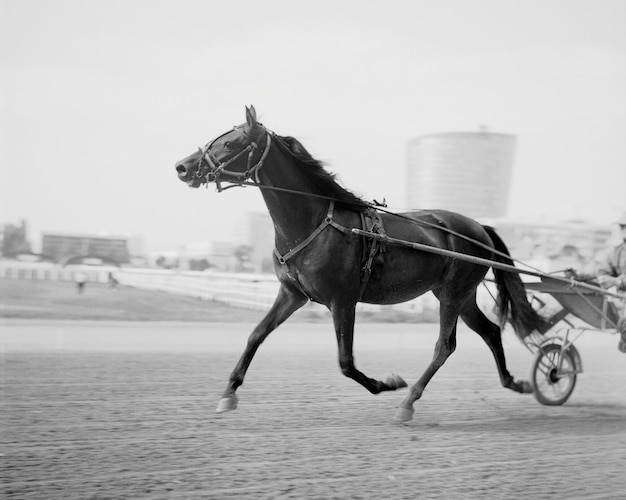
(324, 180)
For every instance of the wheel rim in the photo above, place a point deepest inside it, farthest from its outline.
(554, 385)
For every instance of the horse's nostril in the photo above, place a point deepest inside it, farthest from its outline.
(181, 169)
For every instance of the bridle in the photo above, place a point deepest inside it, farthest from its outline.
(210, 168)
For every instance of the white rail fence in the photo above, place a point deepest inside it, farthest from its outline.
(250, 291)
(241, 290)
(46, 271)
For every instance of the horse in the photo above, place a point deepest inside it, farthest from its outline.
(330, 248)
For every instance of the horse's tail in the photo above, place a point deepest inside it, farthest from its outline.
(513, 305)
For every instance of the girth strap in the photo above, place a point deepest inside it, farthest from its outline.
(372, 222)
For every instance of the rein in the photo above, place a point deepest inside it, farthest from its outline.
(379, 207)
(213, 172)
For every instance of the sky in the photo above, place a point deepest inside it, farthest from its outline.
(100, 99)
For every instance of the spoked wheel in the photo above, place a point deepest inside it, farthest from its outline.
(553, 375)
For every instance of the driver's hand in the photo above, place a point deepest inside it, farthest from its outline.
(570, 273)
(607, 281)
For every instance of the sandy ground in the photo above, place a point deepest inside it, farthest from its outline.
(126, 410)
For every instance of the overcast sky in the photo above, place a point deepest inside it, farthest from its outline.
(101, 98)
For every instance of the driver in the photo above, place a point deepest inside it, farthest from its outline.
(612, 273)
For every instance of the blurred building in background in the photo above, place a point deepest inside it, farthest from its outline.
(260, 239)
(14, 239)
(471, 173)
(65, 247)
(218, 255)
(465, 172)
(556, 246)
(249, 250)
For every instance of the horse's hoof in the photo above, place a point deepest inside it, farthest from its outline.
(395, 382)
(227, 404)
(404, 415)
(526, 387)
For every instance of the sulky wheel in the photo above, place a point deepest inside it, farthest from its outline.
(553, 386)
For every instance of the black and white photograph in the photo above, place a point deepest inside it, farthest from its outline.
(347, 249)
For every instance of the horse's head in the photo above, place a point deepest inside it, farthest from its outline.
(233, 157)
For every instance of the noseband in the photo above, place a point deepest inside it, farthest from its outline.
(210, 168)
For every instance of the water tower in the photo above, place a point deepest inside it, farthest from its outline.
(466, 172)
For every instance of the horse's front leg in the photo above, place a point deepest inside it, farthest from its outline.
(287, 302)
(343, 318)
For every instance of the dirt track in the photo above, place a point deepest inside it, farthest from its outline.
(93, 410)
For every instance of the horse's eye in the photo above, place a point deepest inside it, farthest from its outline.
(227, 144)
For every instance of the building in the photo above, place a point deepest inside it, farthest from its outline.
(218, 255)
(558, 245)
(465, 172)
(261, 241)
(64, 246)
(249, 250)
(14, 239)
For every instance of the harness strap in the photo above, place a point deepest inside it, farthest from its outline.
(372, 222)
(282, 259)
(328, 221)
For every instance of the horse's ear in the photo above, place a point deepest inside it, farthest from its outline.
(250, 116)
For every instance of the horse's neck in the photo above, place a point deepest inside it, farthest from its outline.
(294, 215)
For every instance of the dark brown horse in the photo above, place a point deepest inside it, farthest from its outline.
(319, 257)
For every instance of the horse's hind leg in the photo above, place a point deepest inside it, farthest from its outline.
(343, 318)
(492, 335)
(287, 302)
(446, 344)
